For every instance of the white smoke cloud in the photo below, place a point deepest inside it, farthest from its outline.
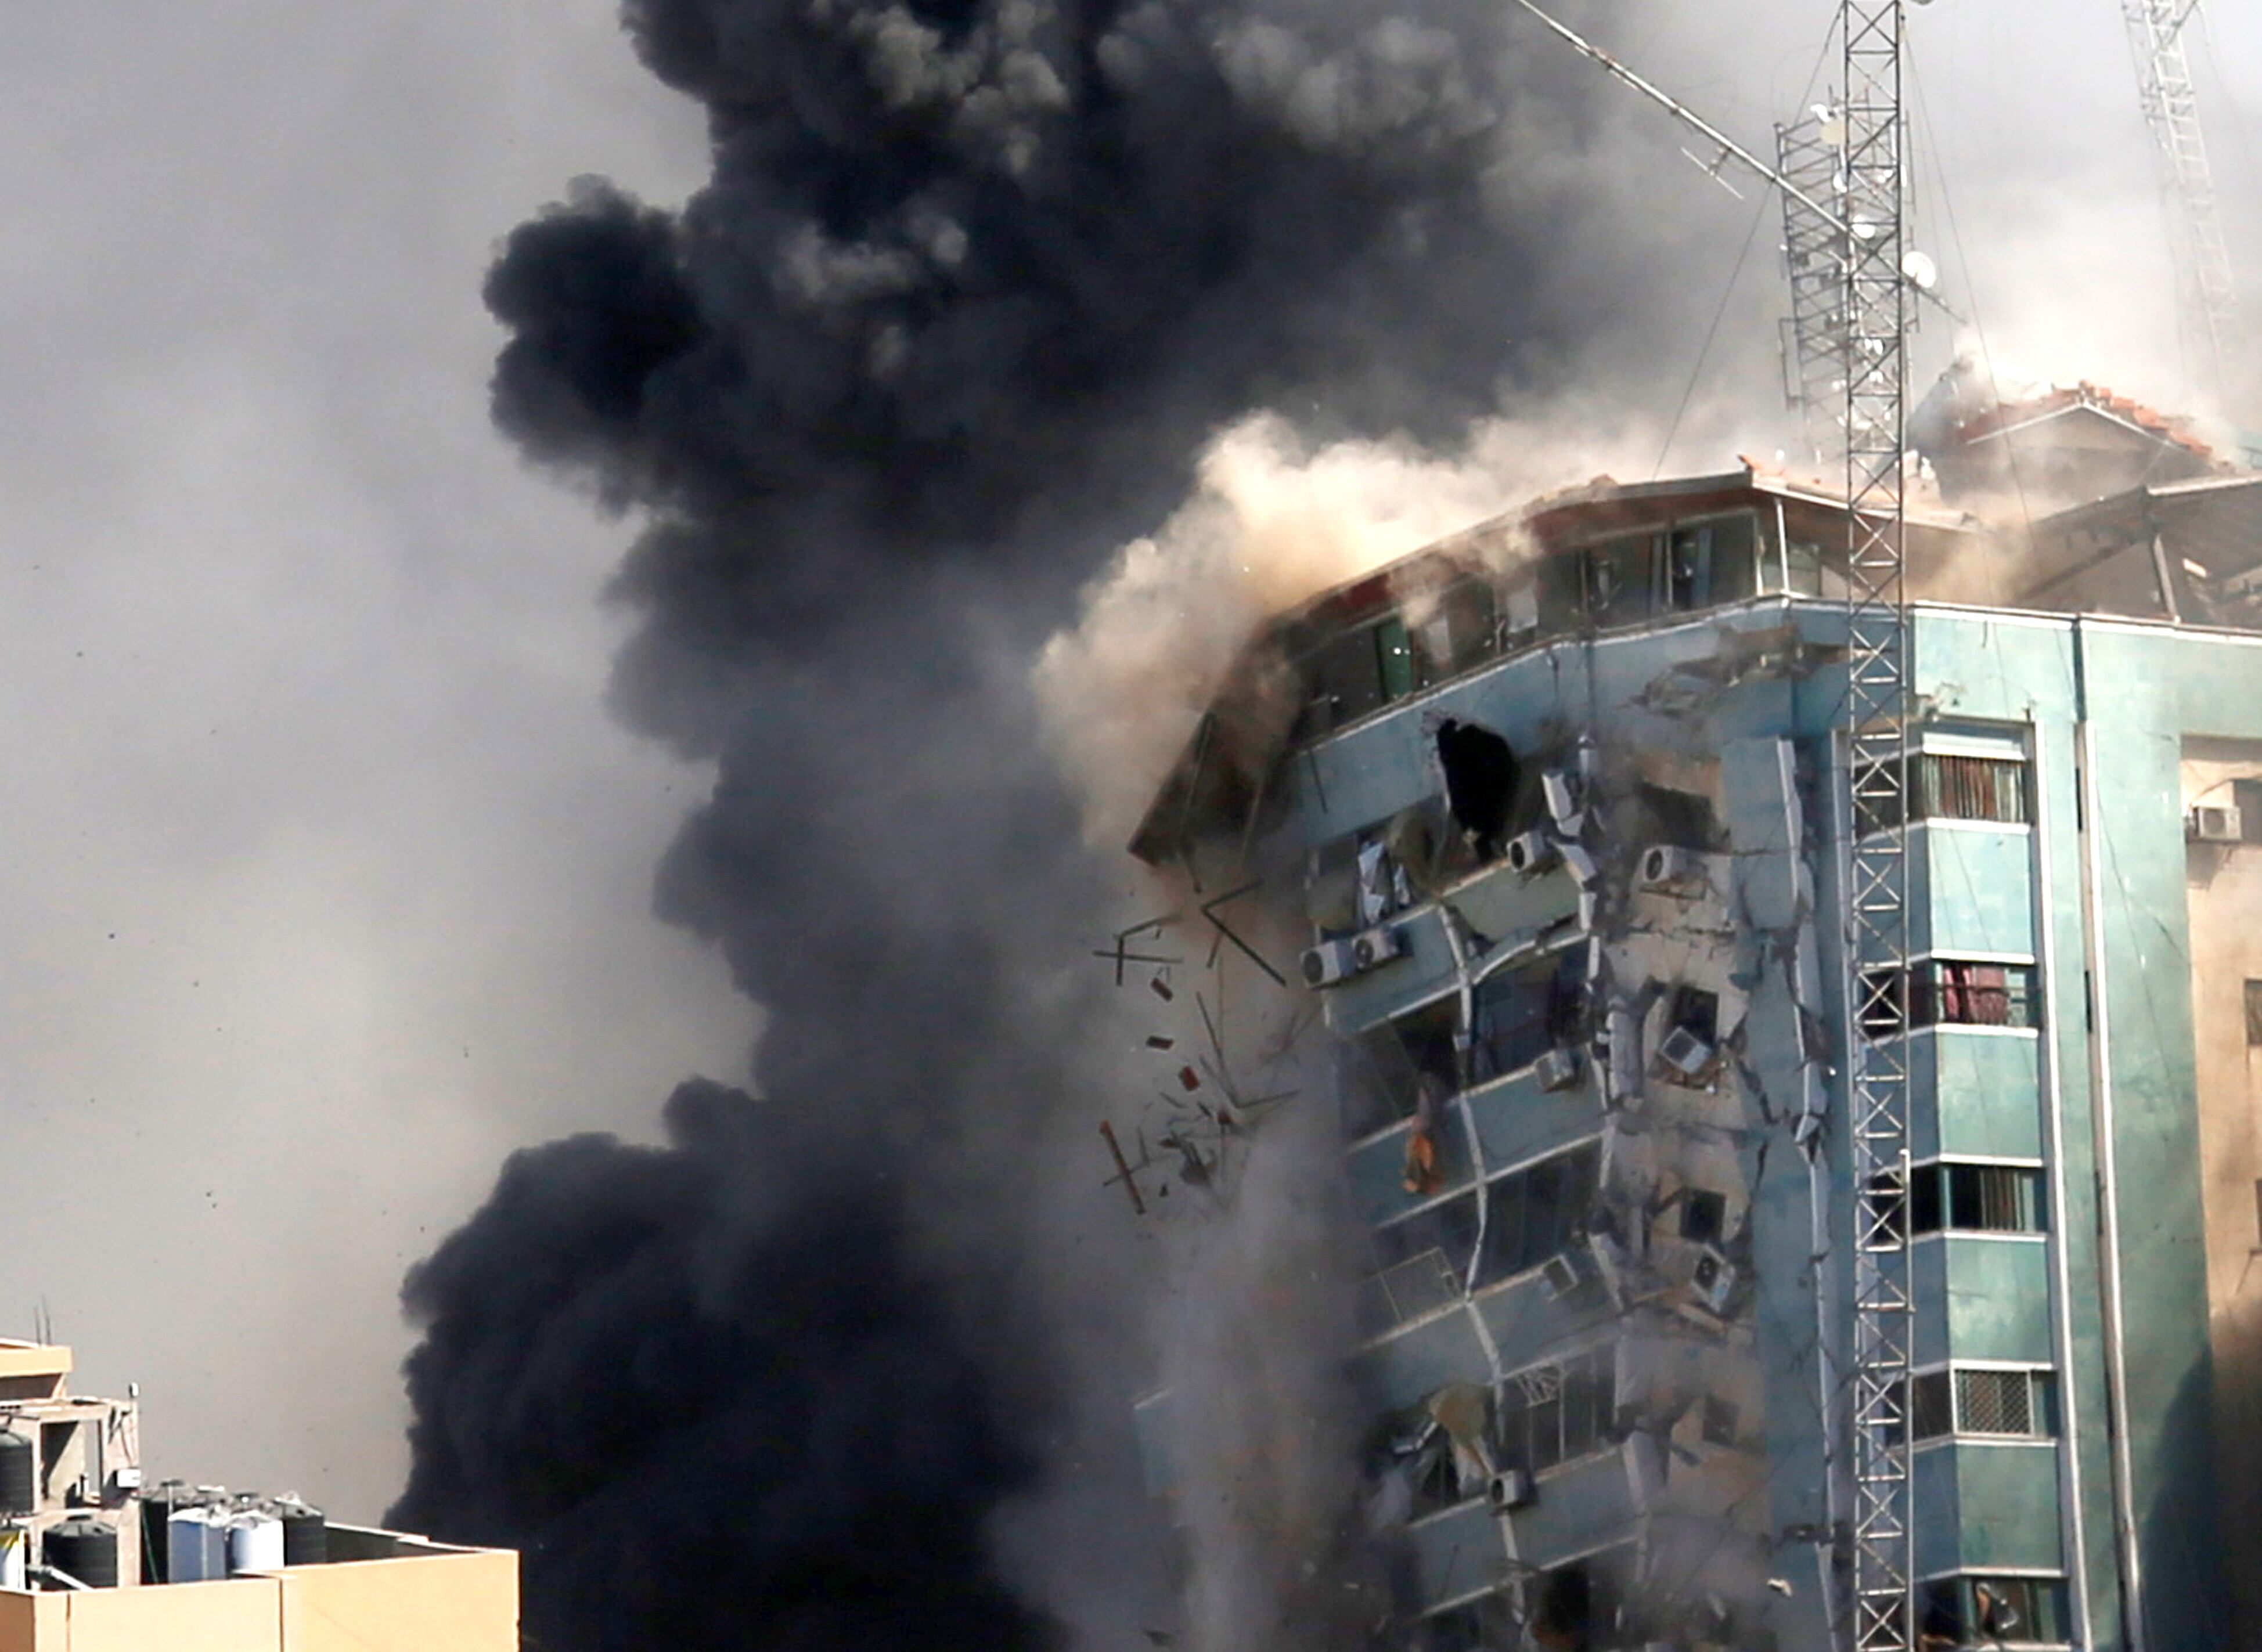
(1271, 521)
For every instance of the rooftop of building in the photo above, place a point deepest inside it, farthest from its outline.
(2096, 504)
(83, 1544)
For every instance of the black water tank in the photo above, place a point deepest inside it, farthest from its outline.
(306, 1535)
(20, 1475)
(157, 1508)
(85, 1548)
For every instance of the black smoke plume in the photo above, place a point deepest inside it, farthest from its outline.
(971, 282)
(647, 1364)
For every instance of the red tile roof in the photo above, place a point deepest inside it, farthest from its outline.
(2061, 399)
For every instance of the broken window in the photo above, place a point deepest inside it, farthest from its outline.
(1560, 592)
(1697, 1011)
(1395, 654)
(1617, 581)
(1344, 677)
(1534, 1213)
(1798, 571)
(1578, 1608)
(1520, 1015)
(1386, 1066)
(1406, 1290)
(1435, 1243)
(1457, 632)
(1684, 819)
(1558, 1412)
(1331, 887)
(1685, 577)
(1976, 1199)
(1481, 777)
(1981, 1612)
(1703, 1215)
(1354, 672)
(1383, 887)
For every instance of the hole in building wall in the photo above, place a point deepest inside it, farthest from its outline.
(1481, 777)
(1704, 1216)
(1685, 820)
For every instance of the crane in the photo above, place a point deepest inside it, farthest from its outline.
(2207, 296)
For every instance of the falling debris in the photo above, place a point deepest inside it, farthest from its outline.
(1122, 1168)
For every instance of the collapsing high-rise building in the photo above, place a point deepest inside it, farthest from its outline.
(1567, 796)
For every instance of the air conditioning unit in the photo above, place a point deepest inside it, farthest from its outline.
(1684, 1054)
(1513, 1489)
(1562, 804)
(1557, 1070)
(2213, 823)
(1530, 851)
(1377, 945)
(1669, 866)
(1333, 961)
(1714, 1276)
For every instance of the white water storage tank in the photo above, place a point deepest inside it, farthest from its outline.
(195, 1545)
(15, 1543)
(254, 1541)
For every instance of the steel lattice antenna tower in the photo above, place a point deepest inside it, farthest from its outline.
(1876, 322)
(2207, 307)
(1810, 152)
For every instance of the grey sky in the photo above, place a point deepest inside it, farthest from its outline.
(327, 876)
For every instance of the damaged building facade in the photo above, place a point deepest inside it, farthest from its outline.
(1564, 803)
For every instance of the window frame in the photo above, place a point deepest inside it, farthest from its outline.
(1898, 1010)
(1492, 1268)
(1939, 1392)
(1596, 1370)
(1936, 1202)
(1957, 1613)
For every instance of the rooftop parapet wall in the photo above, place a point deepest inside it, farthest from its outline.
(32, 1370)
(428, 1598)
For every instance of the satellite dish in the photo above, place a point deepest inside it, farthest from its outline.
(1923, 273)
(1831, 131)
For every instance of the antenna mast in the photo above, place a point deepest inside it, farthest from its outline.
(1877, 324)
(2207, 306)
(1810, 153)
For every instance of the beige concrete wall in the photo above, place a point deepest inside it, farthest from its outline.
(458, 1601)
(444, 1602)
(241, 1615)
(2223, 887)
